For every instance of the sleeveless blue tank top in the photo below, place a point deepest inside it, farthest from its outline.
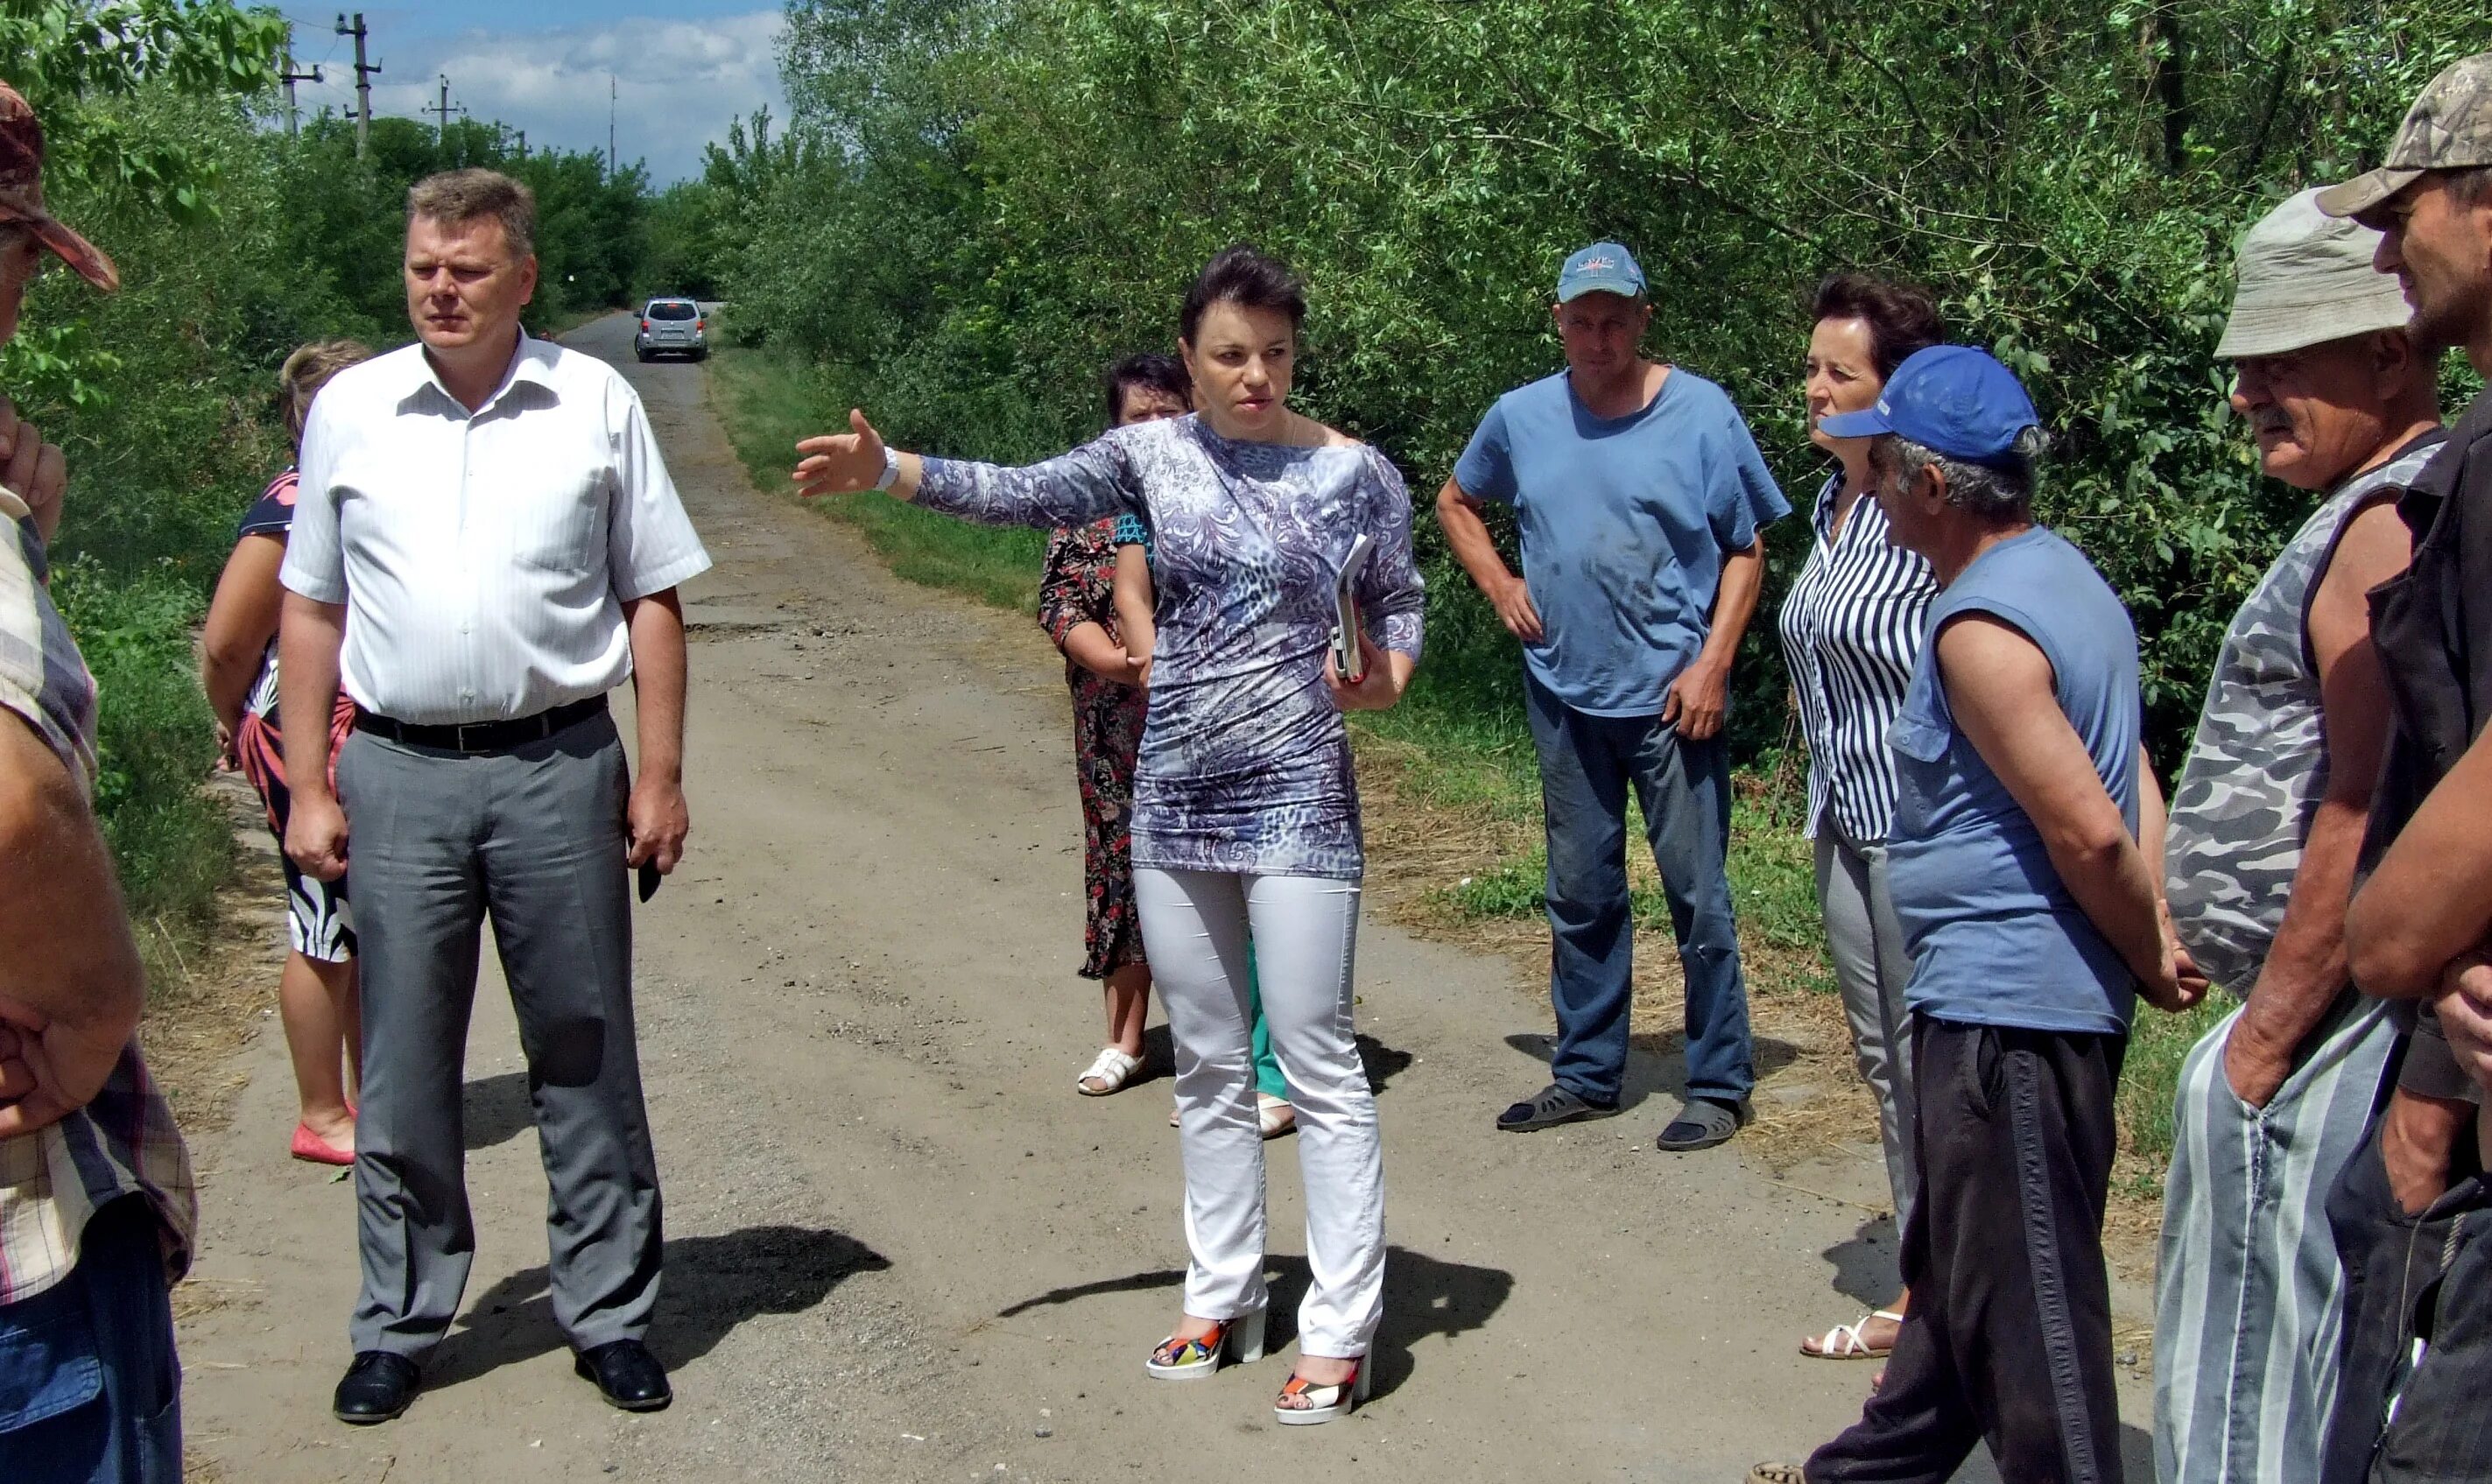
(1996, 938)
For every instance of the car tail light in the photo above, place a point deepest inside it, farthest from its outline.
(701, 324)
(644, 327)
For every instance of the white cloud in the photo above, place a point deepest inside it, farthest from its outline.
(678, 83)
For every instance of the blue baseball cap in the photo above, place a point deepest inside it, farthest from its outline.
(1954, 399)
(1603, 268)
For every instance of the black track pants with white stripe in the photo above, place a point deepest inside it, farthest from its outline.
(2008, 1340)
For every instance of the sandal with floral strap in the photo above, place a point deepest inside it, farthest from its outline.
(1303, 1403)
(1231, 1342)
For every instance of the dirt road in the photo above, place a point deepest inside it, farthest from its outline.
(899, 1246)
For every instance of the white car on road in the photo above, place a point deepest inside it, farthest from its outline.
(672, 327)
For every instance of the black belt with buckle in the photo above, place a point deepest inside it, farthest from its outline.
(483, 736)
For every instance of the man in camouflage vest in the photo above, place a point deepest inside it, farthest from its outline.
(2259, 857)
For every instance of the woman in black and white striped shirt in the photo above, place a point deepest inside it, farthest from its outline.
(1850, 629)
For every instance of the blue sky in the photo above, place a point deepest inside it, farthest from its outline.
(682, 68)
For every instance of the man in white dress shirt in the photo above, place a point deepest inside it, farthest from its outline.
(484, 543)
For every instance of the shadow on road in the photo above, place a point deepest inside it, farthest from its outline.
(1656, 1063)
(1131, 1283)
(1864, 1264)
(1382, 1063)
(1423, 1296)
(494, 1109)
(713, 1283)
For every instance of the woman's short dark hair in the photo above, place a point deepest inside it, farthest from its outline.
(1245, 276)
(1147, 368)
(1901, 318)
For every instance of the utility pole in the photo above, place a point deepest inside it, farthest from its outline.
(610, 128)
(362, 84)
(286, 75)
(442, 138)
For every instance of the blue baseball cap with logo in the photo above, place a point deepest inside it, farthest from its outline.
(1603, 268)
(1954, 400)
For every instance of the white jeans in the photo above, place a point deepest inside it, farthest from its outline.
(1305, 929)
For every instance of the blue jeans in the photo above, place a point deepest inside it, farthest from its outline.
(90, 1392)
(1586, 764)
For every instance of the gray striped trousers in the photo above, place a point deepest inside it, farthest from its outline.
(2248, 1303)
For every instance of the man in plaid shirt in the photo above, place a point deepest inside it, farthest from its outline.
(97, 1210)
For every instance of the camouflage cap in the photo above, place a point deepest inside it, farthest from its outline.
(2448, 128)
(21, 192)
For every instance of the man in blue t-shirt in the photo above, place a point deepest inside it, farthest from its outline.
(1638, 495)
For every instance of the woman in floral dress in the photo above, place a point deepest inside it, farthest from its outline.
(1075, 607)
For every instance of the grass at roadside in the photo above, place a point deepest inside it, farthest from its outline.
(2157, 1044)
(1462, 843)
(1459, 760)
(770, 403)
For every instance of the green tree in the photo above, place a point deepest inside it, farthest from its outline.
(980, 200)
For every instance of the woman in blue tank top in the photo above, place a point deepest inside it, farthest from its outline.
(2034, 917)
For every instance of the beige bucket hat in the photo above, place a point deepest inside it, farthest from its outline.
(2306, 277)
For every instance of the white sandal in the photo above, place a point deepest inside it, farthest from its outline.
(1844, 1342)
(1323, 1402)
(1274, 1116)
(1113, 1067)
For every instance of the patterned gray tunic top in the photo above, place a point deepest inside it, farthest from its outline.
(1245, 761)
(2259, 762)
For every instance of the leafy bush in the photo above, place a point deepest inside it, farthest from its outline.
(155, 742)
(978, 202)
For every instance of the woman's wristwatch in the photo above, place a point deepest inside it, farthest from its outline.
(890, 468)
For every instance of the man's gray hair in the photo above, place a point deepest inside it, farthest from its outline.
(1994, 491)
(456, 197)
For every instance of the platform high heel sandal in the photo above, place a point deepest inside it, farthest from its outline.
(1304, 1403)
(1235, 1341)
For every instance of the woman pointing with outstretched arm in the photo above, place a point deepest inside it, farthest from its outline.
(1245, 808)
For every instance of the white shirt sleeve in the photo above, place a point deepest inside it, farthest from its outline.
(315, 559)
(650, 543)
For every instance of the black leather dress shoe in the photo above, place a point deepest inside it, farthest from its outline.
(626, 1375)
(377, 1387)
